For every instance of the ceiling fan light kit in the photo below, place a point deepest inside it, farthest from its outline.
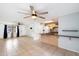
(34, 17)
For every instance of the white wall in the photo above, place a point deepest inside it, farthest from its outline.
(22, 30)
(1, 30)
(69, 22)
(36, 30)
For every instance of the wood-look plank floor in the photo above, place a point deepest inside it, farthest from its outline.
(26, 46)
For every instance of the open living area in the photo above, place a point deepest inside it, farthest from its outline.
(39, 29)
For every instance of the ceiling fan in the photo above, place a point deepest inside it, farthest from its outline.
(34, 14)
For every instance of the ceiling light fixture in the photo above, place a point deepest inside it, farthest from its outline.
(34, 13)
(34, 17)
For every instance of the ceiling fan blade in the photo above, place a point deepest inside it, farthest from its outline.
(43, 13)
(41, 17)
(27, 16)
(25, 10)
(32, 8)
(24, 13)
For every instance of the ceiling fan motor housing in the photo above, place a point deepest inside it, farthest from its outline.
(34, 14)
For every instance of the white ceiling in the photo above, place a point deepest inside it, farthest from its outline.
(8, 11)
